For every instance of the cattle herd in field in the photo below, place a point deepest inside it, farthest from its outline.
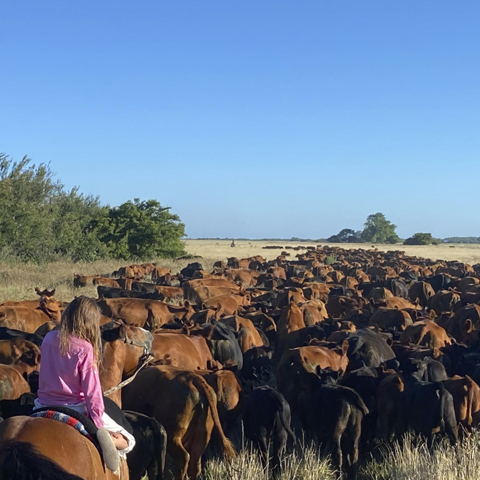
(347, 347)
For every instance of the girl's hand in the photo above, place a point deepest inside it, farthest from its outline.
(119, 440)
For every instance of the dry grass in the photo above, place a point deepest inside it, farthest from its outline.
(18, 281)
(220, 249)
(414, 461)
(305, 464)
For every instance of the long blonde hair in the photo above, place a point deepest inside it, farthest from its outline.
(82, 319)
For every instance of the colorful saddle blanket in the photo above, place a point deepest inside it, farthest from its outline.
(65, 418)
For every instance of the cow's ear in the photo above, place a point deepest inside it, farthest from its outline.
(432, 315)
(468, 325)
(344, 347)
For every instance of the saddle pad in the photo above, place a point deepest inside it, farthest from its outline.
(64, 418)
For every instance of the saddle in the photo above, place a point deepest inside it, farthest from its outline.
(80, 422)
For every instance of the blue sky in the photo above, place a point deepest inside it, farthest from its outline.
(253, 118)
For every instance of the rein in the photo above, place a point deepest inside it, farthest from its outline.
(147, 357)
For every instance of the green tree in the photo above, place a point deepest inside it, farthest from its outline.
(40, 220)
(379, 230)
(142, 229)
(347, 235)
(421, 239)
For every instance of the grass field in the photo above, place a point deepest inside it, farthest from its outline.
(412, 461)
(220, 249)
(18, 280)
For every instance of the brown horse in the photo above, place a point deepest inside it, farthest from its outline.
(41, 449)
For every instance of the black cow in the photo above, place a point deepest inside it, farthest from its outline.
(440, 282)
(148, 456)
(224, 345)
(367, 349)
(257, 364)
(266, 420)
(397, 286)
(336, 416)
(10, 333)
(430, 370)
(427, 406)
(112, 292)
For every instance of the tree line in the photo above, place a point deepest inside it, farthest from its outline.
(40, 220)
(380, 230)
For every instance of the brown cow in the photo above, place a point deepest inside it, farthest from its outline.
(290, 320)
(12, 381)
(227, 304)
(199, 290)
(18, 349)
(29, 319)
(390, 318)
(464, 325)
(30, 303)
(140, 312)
(159, 272)
(230, 395)
(248, 336)
(106, 282)
(186, 406)
(170, 293)
(314, 311)
(242, 276)
(182, 351)
(466, 399)
(428, 334)
(296, 361)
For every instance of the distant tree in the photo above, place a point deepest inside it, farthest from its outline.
(421, 239)
(347, 235)
(142, 230)
(379, 230)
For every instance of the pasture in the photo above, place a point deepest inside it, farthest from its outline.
(411, 460)
(18, 280)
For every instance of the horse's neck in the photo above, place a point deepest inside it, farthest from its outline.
(112, 370)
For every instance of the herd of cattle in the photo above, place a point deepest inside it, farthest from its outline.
(348, 347)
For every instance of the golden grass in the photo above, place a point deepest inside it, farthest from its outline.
(18, 280)
(414, 461)
(303, 464)
(220, 249)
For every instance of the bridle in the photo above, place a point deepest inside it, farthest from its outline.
(145, 358)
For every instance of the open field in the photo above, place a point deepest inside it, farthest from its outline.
(220, 249)
(18, 280)
(411, 461)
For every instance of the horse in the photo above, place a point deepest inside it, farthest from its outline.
(41, 449)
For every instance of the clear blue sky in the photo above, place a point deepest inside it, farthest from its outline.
(253, 118)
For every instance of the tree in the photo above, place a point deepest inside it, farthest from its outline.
(40, 220)
(379, 230)
(421, 239)
(347, 235)
(142, 230)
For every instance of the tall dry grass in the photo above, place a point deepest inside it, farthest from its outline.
(414, 461)
(304, 464)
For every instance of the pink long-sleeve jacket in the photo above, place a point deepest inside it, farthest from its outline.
(70, 379)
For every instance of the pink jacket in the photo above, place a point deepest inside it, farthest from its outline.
(70, 379)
